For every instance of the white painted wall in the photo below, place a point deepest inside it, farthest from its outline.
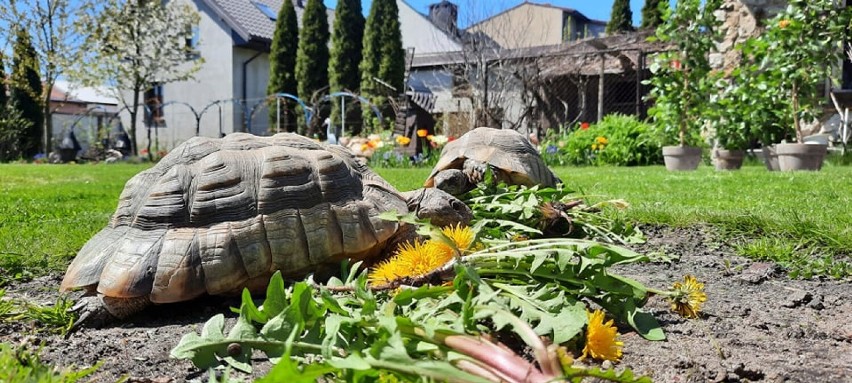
(420, 33)
(256, 80)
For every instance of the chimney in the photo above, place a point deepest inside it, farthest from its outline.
(445, 16)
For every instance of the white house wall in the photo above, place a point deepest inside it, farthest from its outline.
(256, 79)
(213, 82)
(418, 32)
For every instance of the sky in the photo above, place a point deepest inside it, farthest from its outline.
(475, 10)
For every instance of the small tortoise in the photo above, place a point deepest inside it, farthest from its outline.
(508, 153)
(217, 215)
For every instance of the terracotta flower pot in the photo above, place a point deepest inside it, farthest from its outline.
(801, 156)
(681, 157)
(728, 159)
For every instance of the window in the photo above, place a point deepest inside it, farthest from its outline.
(265, 10)
(193, 34)
(153, 106)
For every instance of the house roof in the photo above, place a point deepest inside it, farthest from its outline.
(65, 91)
(249, 22)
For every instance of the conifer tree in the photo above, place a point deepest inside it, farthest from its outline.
(384, 57)
(312, 57)
(11, 124)
(346, 45)
(621, 18)
(26, 92)
(652, 13)
(282, 66)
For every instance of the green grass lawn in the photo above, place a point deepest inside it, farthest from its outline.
(47, 212)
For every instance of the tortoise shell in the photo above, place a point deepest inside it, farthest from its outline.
(216, 215)
(508, 152)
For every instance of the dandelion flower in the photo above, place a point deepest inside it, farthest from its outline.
(462, 236)
(601, 140)
(411, 260)
(784, 23)
(385, 272)
(422, 133)
(594, 146)
(687, 297)
(403, 140)
(602, 338)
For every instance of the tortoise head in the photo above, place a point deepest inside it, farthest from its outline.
(441, 208)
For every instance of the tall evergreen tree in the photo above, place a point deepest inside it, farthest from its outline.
(346, 45)
(621, 18)
(652, 13)
(26, 92)
(4, 96)
(312, 57)
(282, 64)
(384, 57)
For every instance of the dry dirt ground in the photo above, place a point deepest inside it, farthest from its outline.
(758, 325)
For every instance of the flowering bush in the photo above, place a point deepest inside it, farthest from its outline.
(617, 140)
(801, 47)
(682, 77)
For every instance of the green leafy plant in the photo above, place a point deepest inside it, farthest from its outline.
(509, 212)
(344, 330)
(23, 366)
(682, 78)
(802, 46)
(617, 140)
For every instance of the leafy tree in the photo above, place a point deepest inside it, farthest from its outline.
(133, 45)
(652, 13)
(12, 126)
(621, 17)
(56, 42)
(384, 57)
(26, 92)
(282, 61)
(346, 46)
(312, 57)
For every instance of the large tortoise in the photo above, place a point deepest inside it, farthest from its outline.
(217, 215)
(508, 153)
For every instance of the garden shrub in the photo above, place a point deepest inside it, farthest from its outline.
(616, 140)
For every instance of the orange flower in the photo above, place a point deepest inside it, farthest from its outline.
(783, 23)
(422, 133)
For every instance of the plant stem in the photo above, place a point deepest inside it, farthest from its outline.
(796, 123)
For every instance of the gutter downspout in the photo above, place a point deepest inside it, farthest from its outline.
(246, 115)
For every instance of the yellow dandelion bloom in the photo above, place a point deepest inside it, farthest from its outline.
(403, 140)
(784, 23)
(602, 338)
(687, 297)
(594, 146)
(462, 236)
(410, 260)
(422, 133)
(601, 140)
(386, 272)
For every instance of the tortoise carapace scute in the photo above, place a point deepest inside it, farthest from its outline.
(217, 215)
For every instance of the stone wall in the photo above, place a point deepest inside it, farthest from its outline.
(741, 19)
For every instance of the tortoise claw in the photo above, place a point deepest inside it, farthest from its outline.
(92, 313)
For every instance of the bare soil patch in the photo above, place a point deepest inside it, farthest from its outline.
(758, 325)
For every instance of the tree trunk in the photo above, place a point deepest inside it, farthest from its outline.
(133, 113)
(47, 136)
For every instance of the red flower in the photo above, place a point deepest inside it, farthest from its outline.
(451, 138)
(584, 125)
(675, 64)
